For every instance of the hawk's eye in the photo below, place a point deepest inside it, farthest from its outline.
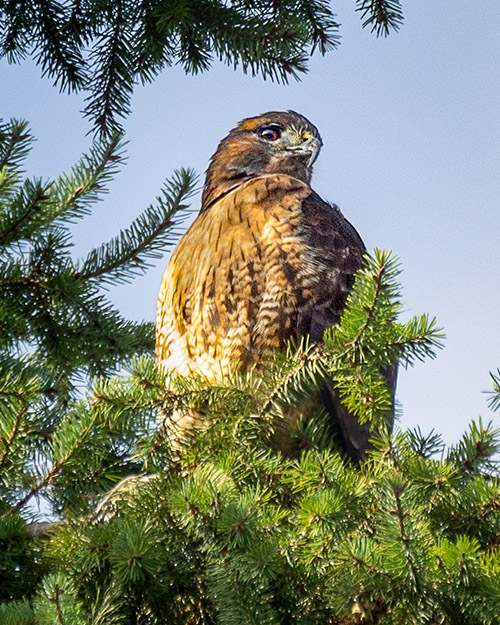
(271, 133)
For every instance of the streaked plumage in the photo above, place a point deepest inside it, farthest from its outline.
(266, 260)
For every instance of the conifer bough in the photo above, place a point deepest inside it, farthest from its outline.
(104, 48)
(225, 531)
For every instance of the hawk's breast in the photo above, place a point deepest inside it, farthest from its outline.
(268, 261)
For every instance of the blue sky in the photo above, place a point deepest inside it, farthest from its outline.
(411, 131)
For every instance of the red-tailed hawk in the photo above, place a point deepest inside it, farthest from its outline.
(265, 260)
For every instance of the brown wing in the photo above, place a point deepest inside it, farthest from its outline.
(341, 247)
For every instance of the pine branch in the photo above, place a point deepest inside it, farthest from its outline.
(106, 610)
(125, 395)
(8, 440)
(382, 15)
(127, 255)
(65, 317)
(152, 42)
(113, 73)
(76, 191)
(494, 401)
(91, 318)
(360, 351)
(101, 48)
(60, 54)
(476, 452)
(15, 22)
(418, 339)
(22, 390)
(15, 144)
(425, 445)
(58, 602)
(269, 42)
(371, 311)
(265, 44)
(294, 376)
(64, 450)
(322, 24)
(16, 613)
(32, 207)
(55, 599)
(404, 537)
(377, 278)
(38, 206)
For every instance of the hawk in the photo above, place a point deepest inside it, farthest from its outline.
(266, 260)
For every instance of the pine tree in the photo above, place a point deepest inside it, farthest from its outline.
(104, 48)
(224, 530)
(58, 332)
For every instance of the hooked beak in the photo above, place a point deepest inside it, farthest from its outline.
(309, 146)
(313, 146)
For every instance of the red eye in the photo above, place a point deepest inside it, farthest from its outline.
(271, 133)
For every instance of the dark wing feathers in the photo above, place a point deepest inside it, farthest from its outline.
(338, 250)
(336, 242)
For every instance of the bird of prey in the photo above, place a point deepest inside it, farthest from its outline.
(266, 260)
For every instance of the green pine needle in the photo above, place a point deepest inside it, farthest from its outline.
(127, 255)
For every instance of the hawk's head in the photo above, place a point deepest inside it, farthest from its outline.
(273, 143)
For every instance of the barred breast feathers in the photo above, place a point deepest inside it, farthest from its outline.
(224, 289)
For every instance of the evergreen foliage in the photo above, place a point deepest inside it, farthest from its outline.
(223, 530)
(58, 332)
(104, 48)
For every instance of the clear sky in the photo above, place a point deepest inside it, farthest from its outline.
(411, 131)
